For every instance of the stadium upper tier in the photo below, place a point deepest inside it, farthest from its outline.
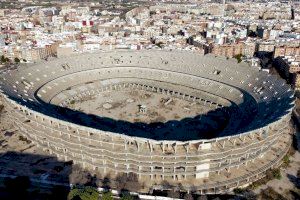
(254, 98)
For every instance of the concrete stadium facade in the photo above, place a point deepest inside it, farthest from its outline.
(258, 105)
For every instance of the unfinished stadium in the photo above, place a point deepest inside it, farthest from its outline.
(207, 122)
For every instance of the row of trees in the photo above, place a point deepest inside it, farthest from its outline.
(85, 184)
(91, 193)
(5, 60)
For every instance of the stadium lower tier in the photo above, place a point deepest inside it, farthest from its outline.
(208, 166)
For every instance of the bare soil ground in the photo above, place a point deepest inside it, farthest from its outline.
(162, 117)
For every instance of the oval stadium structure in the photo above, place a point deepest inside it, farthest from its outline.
(203, 121)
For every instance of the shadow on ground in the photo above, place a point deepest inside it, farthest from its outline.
(30, 176)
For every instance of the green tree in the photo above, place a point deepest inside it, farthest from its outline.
(127, 197)
(107, 196)
(238, 190)
(2, 59)
(238, 57)
(17, 60)
(85, 193)
(273, 173)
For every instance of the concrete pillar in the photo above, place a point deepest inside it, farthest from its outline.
(175, 148)
(139, 174)
(223, 144)
(138, 146)
(234, 141)
(188, 148)
(251, 136)
(125, 145)
(150, 147)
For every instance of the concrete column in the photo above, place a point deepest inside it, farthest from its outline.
(234, 141)
(150, 147)
(151, 174)
(138, 146)
(251, 136)
(125, 145)
(188, 148)
(139, 174)
(199, 146)
(175, 148)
